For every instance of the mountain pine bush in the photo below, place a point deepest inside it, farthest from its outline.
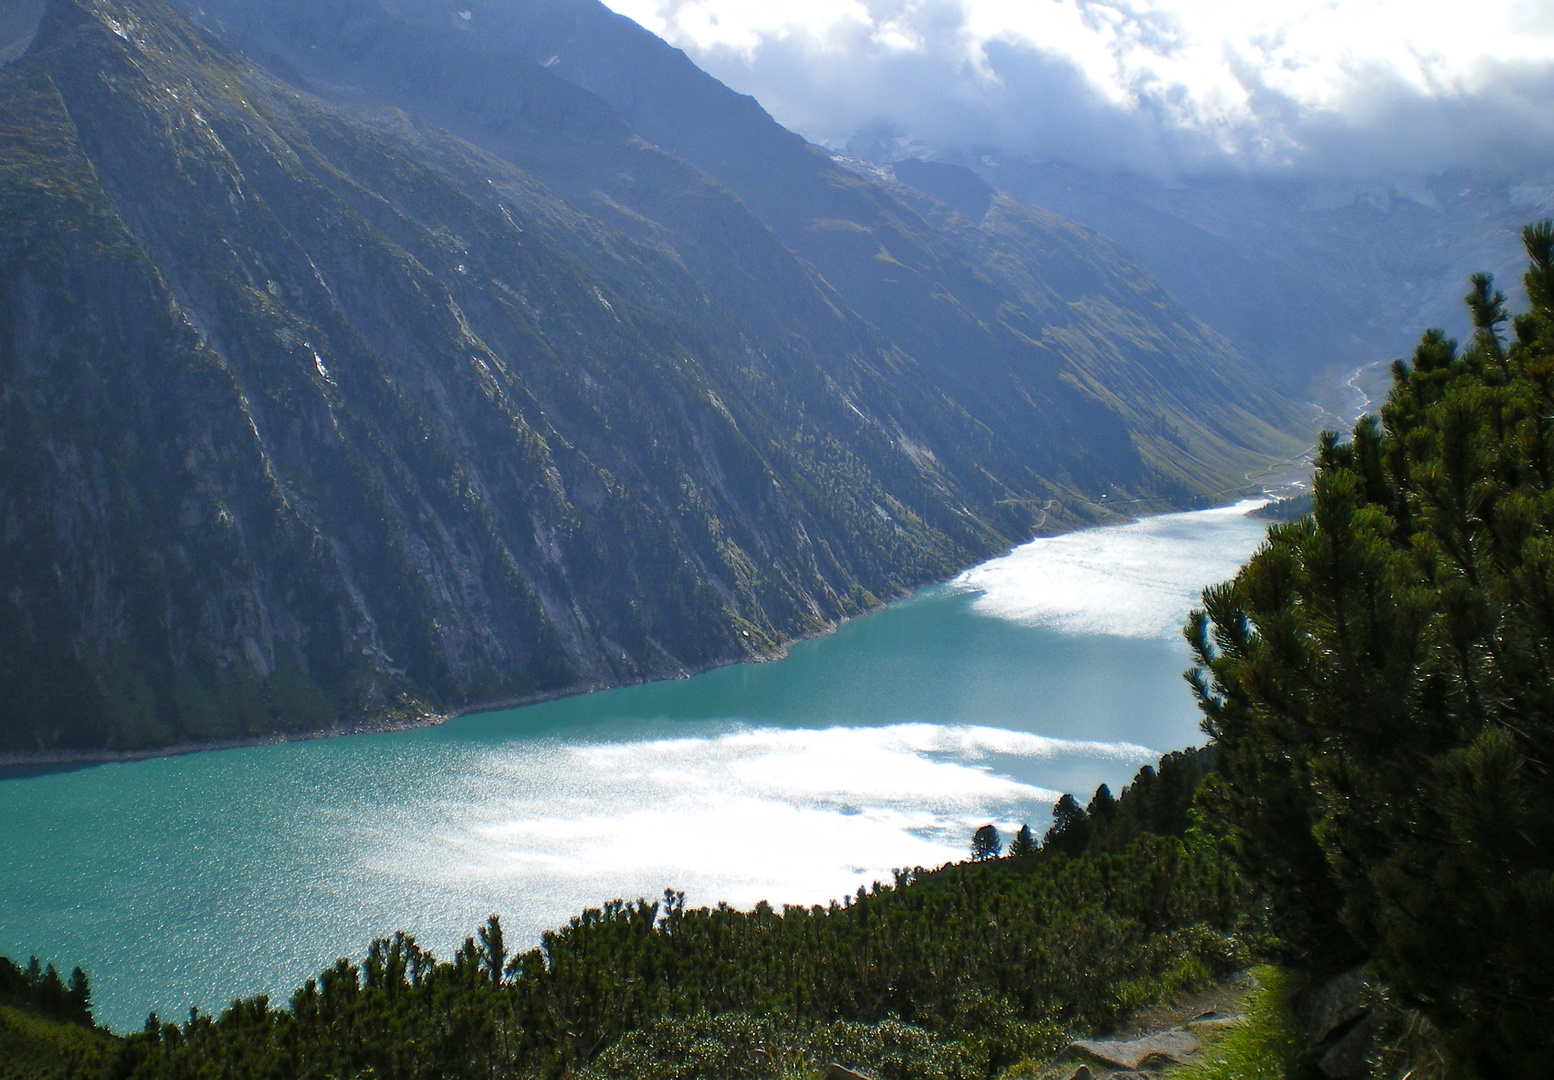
(1377, 680)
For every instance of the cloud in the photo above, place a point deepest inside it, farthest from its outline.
(1352, 89)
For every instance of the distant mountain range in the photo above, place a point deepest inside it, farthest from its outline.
(366, 359)
(1309, 278)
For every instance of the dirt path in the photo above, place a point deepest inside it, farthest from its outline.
(1161, 1037)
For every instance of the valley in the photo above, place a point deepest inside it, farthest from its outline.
(1055, 668)
(1016, 592)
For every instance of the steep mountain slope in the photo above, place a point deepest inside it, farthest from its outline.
(298, 426)
(1310, 279)
(1064, 377)
(312, 413)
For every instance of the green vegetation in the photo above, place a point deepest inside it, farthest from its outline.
(1291, 508)
(46, 1029)
(41, 990)
(986, 843)
(1377, 683)
(1158, 801)
(977, 965)
(1377, 791)
(308, 419)
(764, 1047)
(36, 1047)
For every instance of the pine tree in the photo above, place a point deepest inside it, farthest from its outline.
(1023, 843)
(1070, 831)
(1377, 684)
(1103, 806)
(986, 843)
(493, 951)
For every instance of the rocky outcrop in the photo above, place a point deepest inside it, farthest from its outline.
(1171, 1046)
(1341, 1026)
(841, 1072)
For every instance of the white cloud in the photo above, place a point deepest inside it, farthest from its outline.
(743, 26)
(1151, 83)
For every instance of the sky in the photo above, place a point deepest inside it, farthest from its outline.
(1352, 89)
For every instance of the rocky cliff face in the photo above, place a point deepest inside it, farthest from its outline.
(311, 411)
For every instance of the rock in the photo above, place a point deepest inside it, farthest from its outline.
(1213, 1020)
(1340, 1027)
(837, 1072)
(1333, 1005)
(1081, 1073)
(1348, 1058)
(1147, 1050)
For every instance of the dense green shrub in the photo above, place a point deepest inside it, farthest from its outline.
(38, 988)
(745, 1046)
(1378, 684)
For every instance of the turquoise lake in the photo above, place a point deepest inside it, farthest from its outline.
(190, 880)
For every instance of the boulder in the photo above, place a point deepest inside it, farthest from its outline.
(1349, 1057)
(1332, 1005)
(1213, 1020)
(837, 1072)
(1159, 1048)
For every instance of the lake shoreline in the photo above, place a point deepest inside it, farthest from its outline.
(18, 759)
(23, 760)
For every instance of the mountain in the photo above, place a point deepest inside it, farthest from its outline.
(1310, 279)
(352, 371)
(1001, 307)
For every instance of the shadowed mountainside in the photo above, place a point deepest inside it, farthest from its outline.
(313, 413)
(1048, 334)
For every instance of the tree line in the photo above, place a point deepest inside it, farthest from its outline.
(38, 988)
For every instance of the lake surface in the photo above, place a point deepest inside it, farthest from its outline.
(190, 880)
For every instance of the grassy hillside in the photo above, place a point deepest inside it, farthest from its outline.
(34, 1047)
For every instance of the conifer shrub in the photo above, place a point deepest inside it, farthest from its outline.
(1377, 682)
(39, 988)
